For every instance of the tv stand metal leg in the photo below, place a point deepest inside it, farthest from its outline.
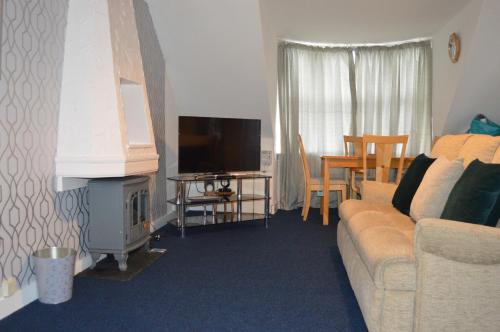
(266, 202)
(239, 197)
(182, 208)
(204, 215)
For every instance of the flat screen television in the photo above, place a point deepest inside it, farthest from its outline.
(218, 145)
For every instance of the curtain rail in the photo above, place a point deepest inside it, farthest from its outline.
(355, 45)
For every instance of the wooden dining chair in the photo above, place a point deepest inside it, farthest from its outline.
(316, 184)
(353, 146)
(384, 147)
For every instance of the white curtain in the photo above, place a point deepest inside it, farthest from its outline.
(327, 92)
(393, 89)
(324, 99)
(315, 101)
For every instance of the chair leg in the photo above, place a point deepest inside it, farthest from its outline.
(354, 190)
(321, 205)
(341, 195)
(304, 204)
(214, 213)
(307, 204)
(232, 210)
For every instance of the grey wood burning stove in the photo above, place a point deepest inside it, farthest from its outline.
(119, 217)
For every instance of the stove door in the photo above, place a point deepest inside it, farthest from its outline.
(138, 215)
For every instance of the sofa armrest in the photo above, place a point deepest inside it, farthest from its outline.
(458, 269)
(458, 241)
(378, 192)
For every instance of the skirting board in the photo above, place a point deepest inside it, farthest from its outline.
(162, 221)
(29, 293)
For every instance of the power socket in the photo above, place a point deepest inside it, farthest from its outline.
(9, 287)
(266, 158)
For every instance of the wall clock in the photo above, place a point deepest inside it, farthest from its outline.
(454, 47)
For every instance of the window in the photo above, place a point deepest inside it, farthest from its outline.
(327, 92)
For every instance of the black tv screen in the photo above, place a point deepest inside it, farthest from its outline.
(218, 145)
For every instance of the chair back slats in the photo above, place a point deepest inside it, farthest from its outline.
(353, 146)
(384, 147)
(305, 164)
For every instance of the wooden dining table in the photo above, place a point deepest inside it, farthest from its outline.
(350, 162)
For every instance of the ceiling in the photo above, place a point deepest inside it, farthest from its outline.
(358, 21)
(328, 21)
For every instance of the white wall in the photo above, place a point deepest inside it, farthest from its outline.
(215, 64)
(478, 90)
(447, 75)
(215, 57)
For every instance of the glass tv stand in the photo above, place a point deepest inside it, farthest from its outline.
(213, 198)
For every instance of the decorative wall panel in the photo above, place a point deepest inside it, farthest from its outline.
(32, 215)
(154, 73)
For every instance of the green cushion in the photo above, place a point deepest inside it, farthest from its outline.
(409, 183)
(475, 198)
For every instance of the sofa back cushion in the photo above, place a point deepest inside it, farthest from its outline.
(496, 157)
(433, 192)
(409, 183)
(482, 147)
(449, 146)
(475, 198)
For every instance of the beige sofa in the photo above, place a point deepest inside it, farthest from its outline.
(432, 275)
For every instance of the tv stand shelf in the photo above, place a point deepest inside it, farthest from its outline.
(182, 202)
(202, 200)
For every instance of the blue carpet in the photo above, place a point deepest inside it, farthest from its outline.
(289, 277)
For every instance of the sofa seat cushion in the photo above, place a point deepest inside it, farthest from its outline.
(384, 241)
(351, 207)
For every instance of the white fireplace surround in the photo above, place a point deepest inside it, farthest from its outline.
(105, 127)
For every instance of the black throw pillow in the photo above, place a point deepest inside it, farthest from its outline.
(409, 183)
(475, 198)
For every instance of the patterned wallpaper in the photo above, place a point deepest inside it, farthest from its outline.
(32, 214)
(154, 74)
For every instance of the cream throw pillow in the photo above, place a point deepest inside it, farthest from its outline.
(433, 192)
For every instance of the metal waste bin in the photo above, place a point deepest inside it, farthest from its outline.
(54, 270)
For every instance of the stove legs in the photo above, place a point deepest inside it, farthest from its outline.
(146, 246)
(122, 261)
